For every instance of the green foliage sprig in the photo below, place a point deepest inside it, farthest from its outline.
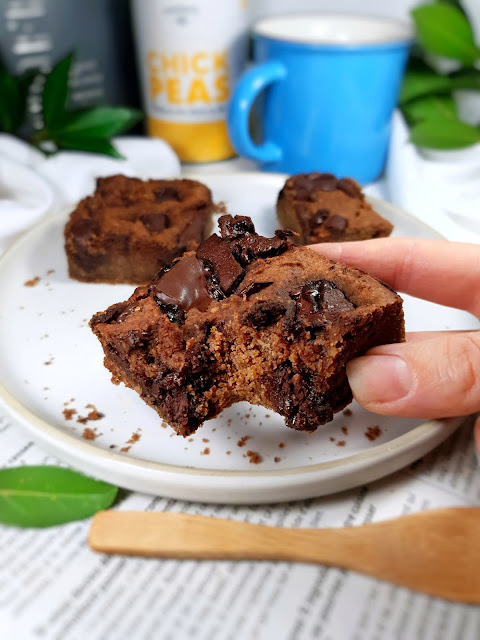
(426, 97)
(82, 129)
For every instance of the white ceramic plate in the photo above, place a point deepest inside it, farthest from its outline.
(51, 362)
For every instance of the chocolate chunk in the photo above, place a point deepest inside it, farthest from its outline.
(323, 296)
(350, 187)
(194, 231)
(337, 223)
(319, 218)
(182, 287)
(254, 287)
(265, 313)
(251, 246)
(285, 234)
(323, 182)
(84, 229)
(167, 193)
(232, 227)
(116, 241)
(154, 222)
(110, 315)
(215, 253)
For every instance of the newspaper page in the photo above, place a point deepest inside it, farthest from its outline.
(53, 587)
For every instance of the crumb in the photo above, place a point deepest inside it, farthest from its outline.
(31, 283)
(276, 459)
(213, 429)
(228, 453)
(267, 415)
(332, 439)
(125, 449)
(229, 421)
(190, 439)
(347, 412)
(82, 419)
(47, 362)
(164, 424)
(135, 437)
(95, 415)
(50, 271)
(72, 399)
(69, 413)
(113, 446)
(205, 452)
(205, 440)
(255, 458)
(341, 443)
(247, 415)
(90, 434)
(46, 388)
(372, 433)
(220, 207)
(345, 430)
(281, 445)
(242, 441)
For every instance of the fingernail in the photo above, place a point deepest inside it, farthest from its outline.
(379, 379)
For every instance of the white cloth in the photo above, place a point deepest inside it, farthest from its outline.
(440, 188)
(32, 185)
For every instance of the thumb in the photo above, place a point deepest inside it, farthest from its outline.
(434, 378)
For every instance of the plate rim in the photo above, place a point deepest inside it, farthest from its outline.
(74, 449)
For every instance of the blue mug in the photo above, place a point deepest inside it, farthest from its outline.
(328, 85)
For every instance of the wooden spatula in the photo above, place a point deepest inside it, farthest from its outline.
(436, 552)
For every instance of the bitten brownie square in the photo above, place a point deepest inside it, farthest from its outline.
(321, 208)
(247, 318)
(129, 229)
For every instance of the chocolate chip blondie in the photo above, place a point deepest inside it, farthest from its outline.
(321, 208)
(129, 229)
(247, 318)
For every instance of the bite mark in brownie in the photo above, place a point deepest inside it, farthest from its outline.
(129, 229)
(247, 318)
(321, 208)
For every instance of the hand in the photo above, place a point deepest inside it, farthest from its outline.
(434, 374)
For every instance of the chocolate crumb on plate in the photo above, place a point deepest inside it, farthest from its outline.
(33, 282)
(372, 433)
(255, 458)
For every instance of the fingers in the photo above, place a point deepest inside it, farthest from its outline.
(440, 271)
(433, 378)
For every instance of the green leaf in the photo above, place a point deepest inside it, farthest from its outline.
(465, 79)
(13, 100)
(94, 145)
(422, 83)
(55, 93)
(47, 496)
(444, 30)
(444, 133)
(98, 122)
(430, 108)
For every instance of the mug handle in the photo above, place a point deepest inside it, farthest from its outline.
(249, 86)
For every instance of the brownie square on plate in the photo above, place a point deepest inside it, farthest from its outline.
(321, 208)
(129, 228)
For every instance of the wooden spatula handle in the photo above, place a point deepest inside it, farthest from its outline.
(437, 551)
